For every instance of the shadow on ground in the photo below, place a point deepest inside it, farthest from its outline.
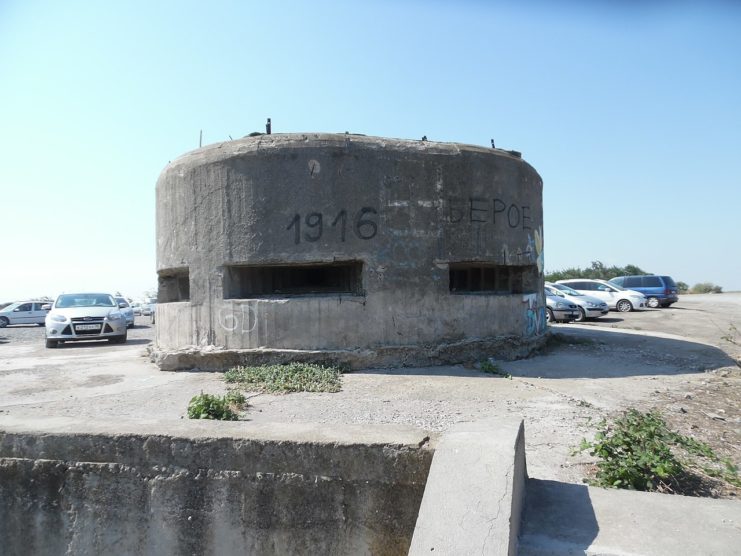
(98, 343)
(590, 352)
(558, 519)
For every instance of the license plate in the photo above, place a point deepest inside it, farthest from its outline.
(87, 327)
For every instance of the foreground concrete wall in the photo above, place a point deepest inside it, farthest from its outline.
(475, 491)
(224, 488)
(404, 210)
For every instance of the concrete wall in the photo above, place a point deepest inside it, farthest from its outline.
(209, 488)
(475, 491)
(404, 209)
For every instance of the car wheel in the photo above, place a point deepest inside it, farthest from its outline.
(582, 316)
(549, 316)
(41, 323)
(4, 322)
(624, 306)
(653, 302)
(118, 339)
(51, 343)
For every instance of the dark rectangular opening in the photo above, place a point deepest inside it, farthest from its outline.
(300, 279)
(492, 279)
(173, 285)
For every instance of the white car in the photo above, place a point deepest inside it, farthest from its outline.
(24, 312)
(589, 307)
(126, 310)
(85, 316)
(616, 297)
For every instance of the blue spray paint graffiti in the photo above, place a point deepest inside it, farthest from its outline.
(535, 322)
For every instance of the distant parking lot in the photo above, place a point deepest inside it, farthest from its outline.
(34, 334)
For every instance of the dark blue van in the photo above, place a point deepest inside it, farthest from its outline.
(659, 290)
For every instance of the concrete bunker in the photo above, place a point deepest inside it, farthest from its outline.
(343, 248)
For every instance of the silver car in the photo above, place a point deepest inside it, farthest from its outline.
(558, 309)
(24, 312)
(126, 310)
(85, 316)
(589, 307)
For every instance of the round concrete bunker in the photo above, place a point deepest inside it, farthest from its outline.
(359, 250)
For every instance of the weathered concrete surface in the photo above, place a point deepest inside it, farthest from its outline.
(208, 488)
(405, 210)
(211, 358)
(475, 491)
(565, 519)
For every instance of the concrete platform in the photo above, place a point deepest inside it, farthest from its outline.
(562, 519)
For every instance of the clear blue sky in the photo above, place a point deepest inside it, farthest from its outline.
(630, 111)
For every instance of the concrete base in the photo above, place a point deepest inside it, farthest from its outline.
(69, 487)
(211, 358)
(475, 489)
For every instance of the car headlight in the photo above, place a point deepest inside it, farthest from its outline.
(115, 315)
(58, 318)
(561, 305)
(591, 304)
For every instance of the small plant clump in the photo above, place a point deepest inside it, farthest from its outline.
(639, 452)
(494, 369)
(293, 377)
(220, 408)
(733, 335)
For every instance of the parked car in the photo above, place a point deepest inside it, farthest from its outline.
(558, 309)
(589, 307)
(126, 311)
(137, 308)
(660, 291)
(24, 312)
(85, 316)
(616, 297)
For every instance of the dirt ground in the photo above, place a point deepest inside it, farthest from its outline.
(682, 361)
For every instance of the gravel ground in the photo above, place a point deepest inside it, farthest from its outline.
(675, 360)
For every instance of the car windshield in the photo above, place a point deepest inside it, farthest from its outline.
(615, 287)
(564, 288)
(84, 300)
(551, 291)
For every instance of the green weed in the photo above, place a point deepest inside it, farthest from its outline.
(639, 452)
(220, 408)
(293, 377)
(494, 369)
